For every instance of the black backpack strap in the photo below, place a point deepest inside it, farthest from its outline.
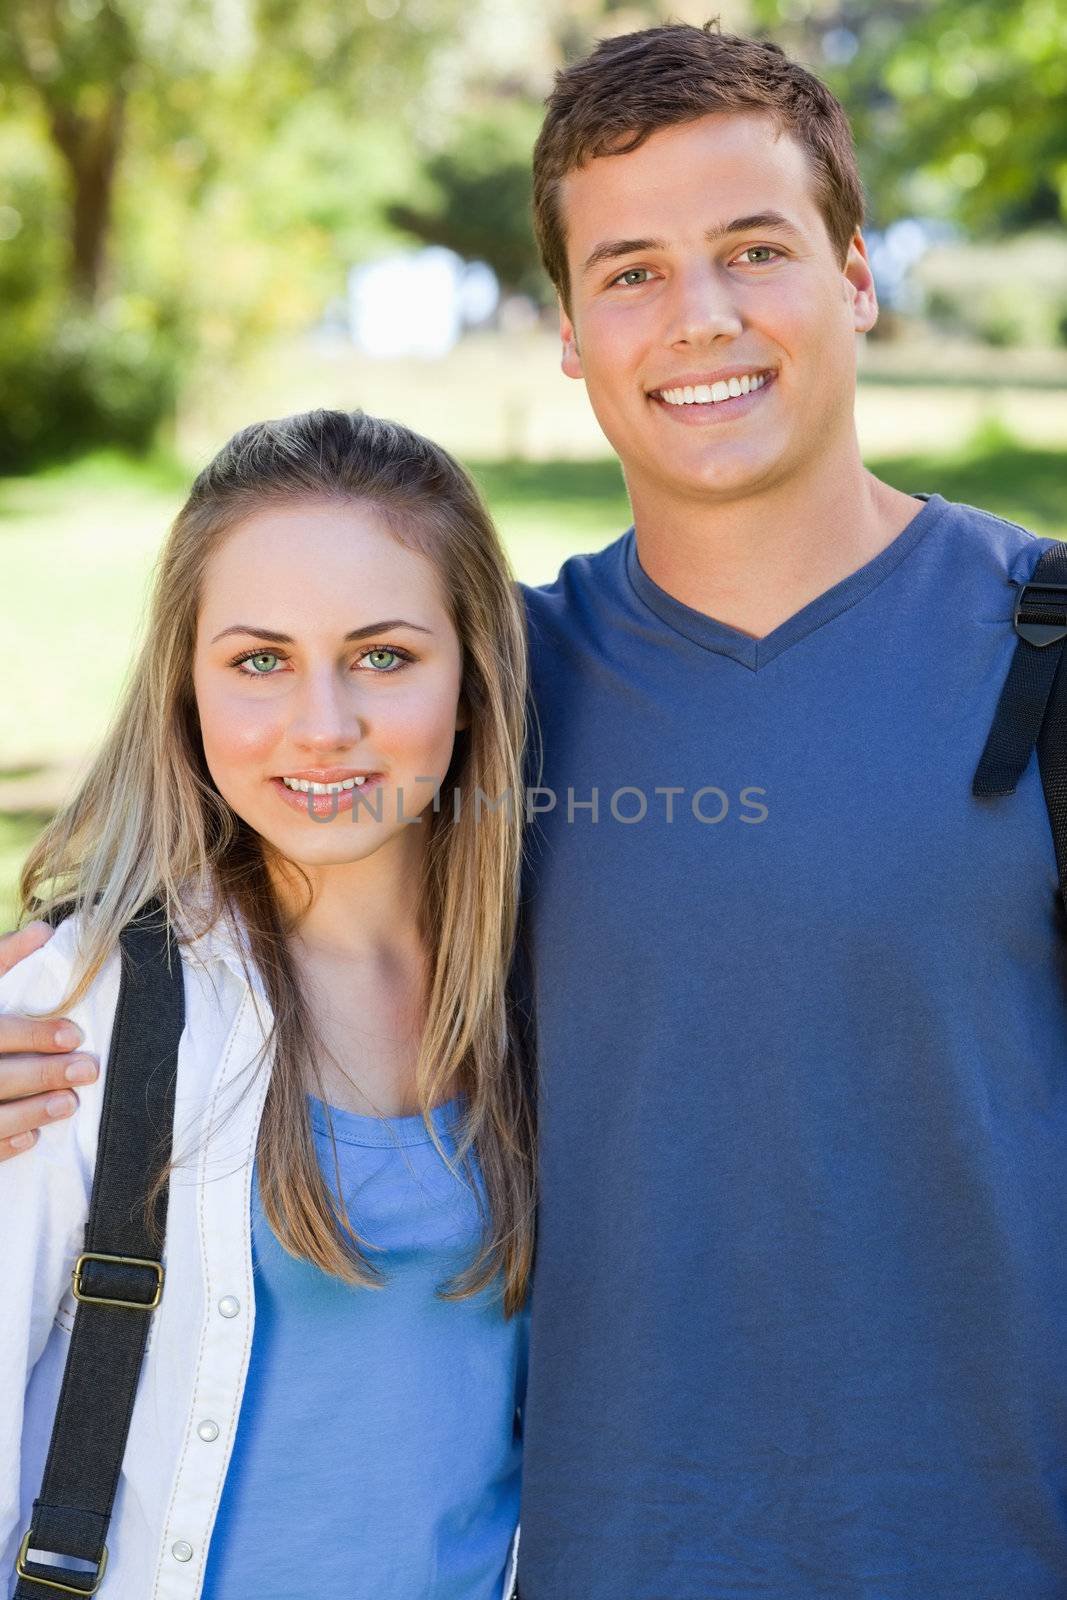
(118, 1280)
(1032, 709)
(1052, 759)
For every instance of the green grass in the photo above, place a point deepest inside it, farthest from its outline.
(1024, 486)
(18, 830)
(77, 546)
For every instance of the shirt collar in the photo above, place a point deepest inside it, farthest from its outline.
(224, 941)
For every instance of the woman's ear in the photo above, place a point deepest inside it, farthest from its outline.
(463, 716)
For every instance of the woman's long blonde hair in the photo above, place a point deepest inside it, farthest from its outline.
(147, 821)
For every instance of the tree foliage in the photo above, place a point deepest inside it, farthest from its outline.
(959, 107)
(477, 194)
(180, 178)
(177, 178)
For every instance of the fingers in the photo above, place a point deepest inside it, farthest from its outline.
(20, 1119)
(14, 947)
(24, 1075)
(37, 1068)
(42, 1085)
(15, 1147)
(29, 1035)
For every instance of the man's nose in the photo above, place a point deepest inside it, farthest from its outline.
(702, 307)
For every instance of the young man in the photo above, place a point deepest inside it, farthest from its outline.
(800, 1311)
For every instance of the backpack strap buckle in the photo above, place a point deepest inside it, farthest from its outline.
(1032, 709)
(90, 1581)
(81, 1291)
(1042, 621)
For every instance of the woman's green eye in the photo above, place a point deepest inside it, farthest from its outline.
(258, 660)
(371, 654)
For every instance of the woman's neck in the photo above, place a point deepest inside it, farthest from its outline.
(365, 910)
(364, 971)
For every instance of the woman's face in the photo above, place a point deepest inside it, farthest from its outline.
(325, 656)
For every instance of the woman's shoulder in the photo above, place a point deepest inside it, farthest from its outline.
(216, 986)
(41, 981)
(40, 985)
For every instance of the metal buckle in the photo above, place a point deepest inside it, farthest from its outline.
(1040, 633)
(51, 1583)
(124, 1261)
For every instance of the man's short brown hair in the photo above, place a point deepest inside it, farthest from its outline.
(632, 86)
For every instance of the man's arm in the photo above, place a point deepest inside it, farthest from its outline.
(38, 1060)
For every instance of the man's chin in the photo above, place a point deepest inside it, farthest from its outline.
(717, 478)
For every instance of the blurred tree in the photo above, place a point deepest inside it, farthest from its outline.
(959, 107)
(75, 58)
(477, 194)
(474, 191)
(155, 72)
(179, 178)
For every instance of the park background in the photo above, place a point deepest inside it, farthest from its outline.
(200, 201)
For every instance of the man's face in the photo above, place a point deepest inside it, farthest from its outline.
(662, 300)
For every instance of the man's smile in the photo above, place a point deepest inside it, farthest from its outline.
(695, 400)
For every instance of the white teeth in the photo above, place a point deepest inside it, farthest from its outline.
(305, 785)
(700, 394)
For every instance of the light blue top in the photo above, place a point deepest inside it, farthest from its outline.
(378, 1451)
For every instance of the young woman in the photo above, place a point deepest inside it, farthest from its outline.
(317, 769)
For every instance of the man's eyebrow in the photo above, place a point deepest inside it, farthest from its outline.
(758, 220)
(613, 249)
(275, 637)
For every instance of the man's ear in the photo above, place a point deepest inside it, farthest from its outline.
(571, 362)
(859, 284)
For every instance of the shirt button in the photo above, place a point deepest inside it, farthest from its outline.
(182, 1551)
(208, 1431)
(228, 1306)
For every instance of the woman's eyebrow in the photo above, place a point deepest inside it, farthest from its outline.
(283, 638)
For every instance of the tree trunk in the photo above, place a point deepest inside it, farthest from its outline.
(90, 147)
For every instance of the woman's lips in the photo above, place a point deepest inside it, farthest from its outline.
(327, 805)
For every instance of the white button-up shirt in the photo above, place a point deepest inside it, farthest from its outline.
(189, 1397)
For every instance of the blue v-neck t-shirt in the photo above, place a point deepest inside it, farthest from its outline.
(800, 1305)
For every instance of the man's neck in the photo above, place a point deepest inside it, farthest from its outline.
(753, 563)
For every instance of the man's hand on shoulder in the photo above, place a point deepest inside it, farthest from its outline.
(38, 1060)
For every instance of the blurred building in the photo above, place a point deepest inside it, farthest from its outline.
(417, 303)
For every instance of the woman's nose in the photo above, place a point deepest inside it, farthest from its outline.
(328, 716)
